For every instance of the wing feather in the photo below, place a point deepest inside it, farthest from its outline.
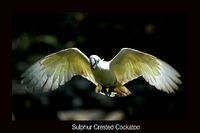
(56, 69)
(130, 64)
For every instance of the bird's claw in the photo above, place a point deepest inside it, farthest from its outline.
(108, 92)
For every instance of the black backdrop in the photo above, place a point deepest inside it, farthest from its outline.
(38, 34)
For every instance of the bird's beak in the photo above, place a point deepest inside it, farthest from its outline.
(91, 64)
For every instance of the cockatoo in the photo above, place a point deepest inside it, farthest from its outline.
(58, 68)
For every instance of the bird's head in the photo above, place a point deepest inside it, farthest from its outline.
(94, 60)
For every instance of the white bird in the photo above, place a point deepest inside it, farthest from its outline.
(58, 68)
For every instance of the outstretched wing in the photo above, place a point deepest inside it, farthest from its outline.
(129, 64)
(56, 69)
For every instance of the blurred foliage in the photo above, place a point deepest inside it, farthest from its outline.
(36, 35)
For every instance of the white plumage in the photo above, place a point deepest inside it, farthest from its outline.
(58, 68)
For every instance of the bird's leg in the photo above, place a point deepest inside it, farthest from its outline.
(98, 88)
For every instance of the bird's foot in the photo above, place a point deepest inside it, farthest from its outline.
(122, 91)
(98, 88)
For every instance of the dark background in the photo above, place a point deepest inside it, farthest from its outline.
(35, 35)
